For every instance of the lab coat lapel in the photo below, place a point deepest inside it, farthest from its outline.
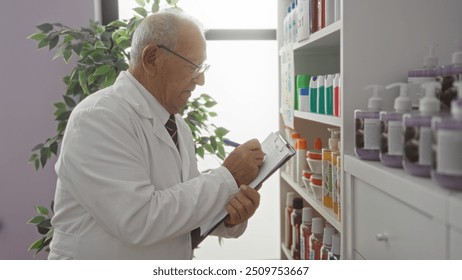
(185, 161)
(159, 130)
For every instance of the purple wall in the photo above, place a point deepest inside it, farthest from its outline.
(30, 84)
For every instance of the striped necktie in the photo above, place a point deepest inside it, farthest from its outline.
(172, 130)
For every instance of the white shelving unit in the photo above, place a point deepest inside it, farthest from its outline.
(386, 213)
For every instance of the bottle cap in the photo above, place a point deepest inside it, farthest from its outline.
(456, 104)
(316, 225)
(430, 61)
(300, 144)
(307, 214)
(321, 79)
(303, 91)
(328, 231)
(457, 55)
(318, 144)
(290, 198)
(402, 102)
(375, 101)
(429, 104)
(294, 135)
(298, 203)
(336, 244)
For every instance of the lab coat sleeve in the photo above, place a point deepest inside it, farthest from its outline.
(221, 230)
(103, 166)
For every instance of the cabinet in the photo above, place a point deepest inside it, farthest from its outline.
(375, 42)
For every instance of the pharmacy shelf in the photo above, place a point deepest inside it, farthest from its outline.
(421, 193)
(326, 38)
(325, 119)
(316, 204)
(286, 251)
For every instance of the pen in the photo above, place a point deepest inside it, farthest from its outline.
(231, 143)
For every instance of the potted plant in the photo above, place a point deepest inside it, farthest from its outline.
(102, 52)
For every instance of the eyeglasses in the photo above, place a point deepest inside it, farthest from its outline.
(199, 68)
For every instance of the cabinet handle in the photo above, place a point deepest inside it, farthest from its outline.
(381, 237)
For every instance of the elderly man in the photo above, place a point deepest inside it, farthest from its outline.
(128, 184)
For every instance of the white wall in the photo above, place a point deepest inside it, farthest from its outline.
(30, 84)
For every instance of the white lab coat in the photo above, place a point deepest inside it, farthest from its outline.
(124, 191)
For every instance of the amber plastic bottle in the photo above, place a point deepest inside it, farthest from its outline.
(305, 233)
(296, 221)
(316, 238)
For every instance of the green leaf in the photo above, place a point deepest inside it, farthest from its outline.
(37, 147)
(36, 245)
(37, 164)
(208, 148)
(117, 23)
(213, 142)
(67, 55)
(53, 42)
(33, 157)
(213, 114)
(220, 132)
(68, 38)
(83, 82)
(102, 70)
(221, 152)
(63, 116)
(140, 3)
(43, 43)
(155, 6)
(41, 210)
(36, 220)
(200, 152)
(37, 36)
(210, 104)
(45, 28)
(141, 11)
(54, 148)
(69, 101)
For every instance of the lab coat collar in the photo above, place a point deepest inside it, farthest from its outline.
(148, 107)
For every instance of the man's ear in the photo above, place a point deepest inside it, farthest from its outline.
(149, 59)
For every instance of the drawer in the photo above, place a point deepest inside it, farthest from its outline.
(387, 228)
(455, 244)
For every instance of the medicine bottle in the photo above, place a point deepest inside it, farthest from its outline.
(296, 221)
(287, 226)
(305, 233)
(316, 238)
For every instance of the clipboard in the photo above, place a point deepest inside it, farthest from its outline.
(277, 152)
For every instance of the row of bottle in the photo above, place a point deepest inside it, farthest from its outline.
(318, 94)
(430, 71)
(318, 169)
(426, 143)
(305, 236)
(305, 17)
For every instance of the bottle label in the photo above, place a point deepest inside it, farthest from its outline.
(449, 152)
(415, 90)
(395, 141)
(335, 185)
(311, 254)
(425, 146)
(371, 134)
(302, 248)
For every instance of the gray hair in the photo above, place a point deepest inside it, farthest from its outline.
(161, 28)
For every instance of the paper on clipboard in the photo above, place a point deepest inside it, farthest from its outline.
(277, 152)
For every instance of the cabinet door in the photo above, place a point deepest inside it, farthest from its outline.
(387, 228)
(455, 244)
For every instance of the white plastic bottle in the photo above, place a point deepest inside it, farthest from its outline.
(367, 126)
(302, 164)
(417, 153)
(330, 12)
(447, 75)
(286, 27)
(391, 147)
(303, 30)
(447, 162)
(417, 77)
(295, 21)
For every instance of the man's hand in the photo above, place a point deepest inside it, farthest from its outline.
(245, 161)
(242, 206)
